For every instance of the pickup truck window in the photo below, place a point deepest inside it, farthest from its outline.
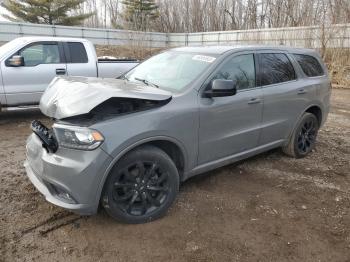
(275, 68)
(171, 70)
(77, 53)
(239, 68)
(40, 54)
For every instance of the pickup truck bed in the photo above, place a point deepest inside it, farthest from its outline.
(115, 67)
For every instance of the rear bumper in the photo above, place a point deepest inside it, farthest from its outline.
(67, 178)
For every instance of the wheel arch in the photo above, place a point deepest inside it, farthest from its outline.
(171, 146)
(317, 111)
(313, 109)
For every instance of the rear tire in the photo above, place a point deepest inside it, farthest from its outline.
(303, 138)
(141, 186)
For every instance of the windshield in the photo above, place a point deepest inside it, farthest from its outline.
(170, 70)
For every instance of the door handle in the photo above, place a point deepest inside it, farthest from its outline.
(254, 100)
(302, 91)
(60, 71)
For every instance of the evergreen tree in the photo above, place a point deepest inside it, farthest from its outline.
(56, 12)
(139, 13)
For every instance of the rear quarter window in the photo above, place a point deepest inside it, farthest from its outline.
(77, 53)
(309, 64)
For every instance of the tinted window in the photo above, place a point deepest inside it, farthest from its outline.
(40, 54)
(77, 53)
(310, 65)
(275, 68)
(240, 69)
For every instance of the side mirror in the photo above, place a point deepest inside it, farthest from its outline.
(16, 61)
(221, 87)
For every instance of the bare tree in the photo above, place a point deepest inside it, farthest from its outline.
(211, 15)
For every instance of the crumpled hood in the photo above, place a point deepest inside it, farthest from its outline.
(71, 96)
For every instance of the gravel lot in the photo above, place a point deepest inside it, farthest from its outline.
(267, 208)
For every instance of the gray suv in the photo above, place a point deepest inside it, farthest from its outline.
(128, 143)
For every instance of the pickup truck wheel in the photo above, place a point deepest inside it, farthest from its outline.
(141, 186)
(303, 139)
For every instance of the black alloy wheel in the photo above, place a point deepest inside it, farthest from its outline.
(307, 136)
(141, 186)
(303, 139)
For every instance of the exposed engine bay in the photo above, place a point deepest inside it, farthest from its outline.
(113, 107)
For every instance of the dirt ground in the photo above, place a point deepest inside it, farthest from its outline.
(267, 208)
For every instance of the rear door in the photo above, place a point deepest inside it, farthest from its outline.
(285, 95)
(230, 125)
(42, 62)
(79, 63)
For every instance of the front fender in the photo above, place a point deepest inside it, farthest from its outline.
(130, 145)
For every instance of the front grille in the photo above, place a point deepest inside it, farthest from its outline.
(46, 136)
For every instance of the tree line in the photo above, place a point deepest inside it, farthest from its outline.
(181, 15)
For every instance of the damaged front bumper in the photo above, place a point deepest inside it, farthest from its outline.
(67, 178)
(83, 209)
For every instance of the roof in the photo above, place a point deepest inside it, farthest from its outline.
(220, 49)
(22, 41)
(49, 38)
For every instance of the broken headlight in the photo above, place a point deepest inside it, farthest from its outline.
(77, 137)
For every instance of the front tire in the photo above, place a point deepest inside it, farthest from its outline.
(303, 138)
(141, 186)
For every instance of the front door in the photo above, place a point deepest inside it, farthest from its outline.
(231, 125)
(25, 84)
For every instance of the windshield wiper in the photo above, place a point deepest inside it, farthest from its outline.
(147, 82)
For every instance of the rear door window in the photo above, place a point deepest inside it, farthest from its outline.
(77, 53)
(311, 67)
(275, 68)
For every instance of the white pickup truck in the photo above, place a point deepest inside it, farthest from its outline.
(28, 64)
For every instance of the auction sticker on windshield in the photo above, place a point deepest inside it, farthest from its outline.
(204, 58)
